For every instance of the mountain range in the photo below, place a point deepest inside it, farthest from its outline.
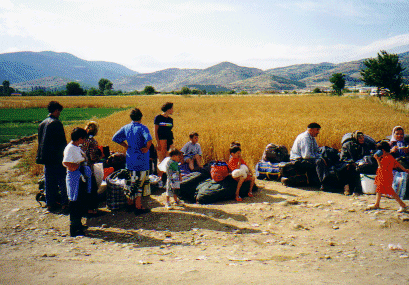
(52, 70)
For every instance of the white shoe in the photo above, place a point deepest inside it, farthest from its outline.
(403, 209)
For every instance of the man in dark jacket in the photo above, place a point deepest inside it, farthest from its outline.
(51, 144)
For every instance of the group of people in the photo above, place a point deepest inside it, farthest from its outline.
(305, 150)
(68, 167)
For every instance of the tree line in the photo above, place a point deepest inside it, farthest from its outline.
(384, 71)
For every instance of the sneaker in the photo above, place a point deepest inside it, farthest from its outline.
(403, 209)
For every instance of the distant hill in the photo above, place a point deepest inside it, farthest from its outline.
(53, 70)
(27, 66)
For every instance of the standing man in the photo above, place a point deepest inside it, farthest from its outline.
(138, 141)
(51, 144)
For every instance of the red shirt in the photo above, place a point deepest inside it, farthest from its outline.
(234, 163)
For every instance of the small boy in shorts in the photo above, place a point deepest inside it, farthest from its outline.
(192, 152)
(174, 176)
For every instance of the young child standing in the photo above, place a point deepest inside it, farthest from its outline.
(174, 176)
(75, 162)
(192, 152)
(240, 171)
(384, 176)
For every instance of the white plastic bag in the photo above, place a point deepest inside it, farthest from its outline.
(162, 165)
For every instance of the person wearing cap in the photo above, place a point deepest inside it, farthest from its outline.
(305, 146)
(305, 152)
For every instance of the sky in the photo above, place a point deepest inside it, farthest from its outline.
(152, 35)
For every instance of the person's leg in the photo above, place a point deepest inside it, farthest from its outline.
(61, 173)
(253, 180)
(239, 183)
(198, 160)
(50, 185)
(191, 163)
(377, 202)
(399, 200)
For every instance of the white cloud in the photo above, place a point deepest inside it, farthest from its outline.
(6, 4)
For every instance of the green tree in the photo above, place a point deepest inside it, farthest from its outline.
(104, 84)
(92, 92)
(185, 90)
(149, 90)
(384, 71)
(338, 82)
(74, 88)
(316, 90)
(6, 88)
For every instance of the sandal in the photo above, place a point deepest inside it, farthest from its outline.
(250, 194)
(239, 199)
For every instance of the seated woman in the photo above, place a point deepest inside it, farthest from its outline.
(399, 147)
(351, 152)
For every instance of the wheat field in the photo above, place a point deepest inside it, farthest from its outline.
(253, 120)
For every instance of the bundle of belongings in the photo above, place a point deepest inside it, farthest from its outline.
(274, 158)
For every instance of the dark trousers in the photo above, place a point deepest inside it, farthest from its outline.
(54, 180)
(78, 209)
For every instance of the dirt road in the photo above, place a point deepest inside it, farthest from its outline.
(283, 235)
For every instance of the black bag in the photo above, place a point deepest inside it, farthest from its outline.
(188, 186)
(210, 191)
(330, 155)
(367, 165)
(275, 153)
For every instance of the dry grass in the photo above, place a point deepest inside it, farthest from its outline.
(254, 121)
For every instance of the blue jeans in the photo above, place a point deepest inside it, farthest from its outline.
(54, 176)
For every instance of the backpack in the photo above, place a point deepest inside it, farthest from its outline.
(219, 170)
(275, 153)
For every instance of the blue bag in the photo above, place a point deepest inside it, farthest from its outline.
(267, 170)
(399, 183)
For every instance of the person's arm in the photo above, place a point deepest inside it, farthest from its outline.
(378, 160)
(71, 166)
(124, 144)
(146, 148)
(157, 137)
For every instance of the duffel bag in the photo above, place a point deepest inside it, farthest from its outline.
(188, 185)
(267, 170)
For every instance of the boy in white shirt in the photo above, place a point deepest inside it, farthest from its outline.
(78, 180)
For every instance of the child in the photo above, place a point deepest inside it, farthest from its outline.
(240, 171)
(384, 176)
(192, 152)
(78, 175)
(174, 176)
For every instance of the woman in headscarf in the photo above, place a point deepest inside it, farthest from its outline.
(356, 148)
(399, 147)
(352, 151)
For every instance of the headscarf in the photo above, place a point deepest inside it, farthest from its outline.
(356, 134)
(393, 133)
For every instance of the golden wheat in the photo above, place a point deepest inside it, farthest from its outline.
(254, 121)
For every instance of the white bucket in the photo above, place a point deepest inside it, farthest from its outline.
(368, 183)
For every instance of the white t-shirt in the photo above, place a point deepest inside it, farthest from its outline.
(73, 154)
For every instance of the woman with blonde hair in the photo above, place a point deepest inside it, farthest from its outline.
(93, 154)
